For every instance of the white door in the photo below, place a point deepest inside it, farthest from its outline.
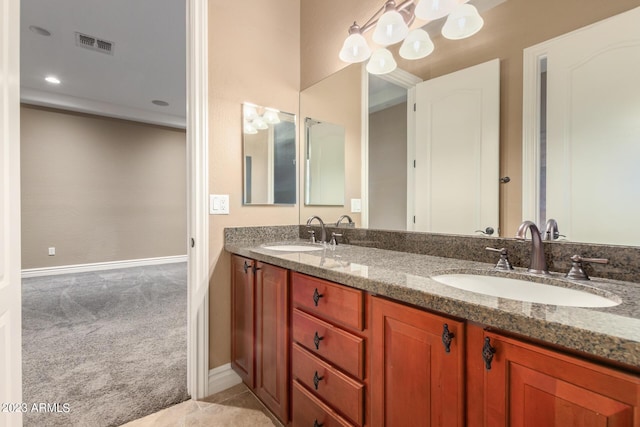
(457, 122)
(10, 315)
(593, 102)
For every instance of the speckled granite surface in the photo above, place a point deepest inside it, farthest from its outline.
(612, 333)
(624, 261)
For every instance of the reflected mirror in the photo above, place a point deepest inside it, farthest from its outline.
(324, 163)
(269, 153)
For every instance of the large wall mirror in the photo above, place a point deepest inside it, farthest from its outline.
(269, 153)
(510, 28)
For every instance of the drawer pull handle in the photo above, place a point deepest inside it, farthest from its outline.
(316, 380)
(487, 353)
(316, 296)
(246, 267)
(317, 424)
(316, 340)
(447, 336)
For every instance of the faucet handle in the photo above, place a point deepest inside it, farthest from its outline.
(312, 236)
(503, 262)
(577, 272)
(334, 241)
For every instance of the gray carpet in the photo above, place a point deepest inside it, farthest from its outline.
(111, 344)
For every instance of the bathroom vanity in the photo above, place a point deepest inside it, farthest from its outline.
(349, 335)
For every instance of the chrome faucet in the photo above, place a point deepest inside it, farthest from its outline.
(323, 237)
(551, 230)
(538, 263)
(348, 218)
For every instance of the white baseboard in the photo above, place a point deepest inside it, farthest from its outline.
(98, 266)
(222, 378)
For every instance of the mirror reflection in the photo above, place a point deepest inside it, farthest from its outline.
(587, 131)
(269, 152)
(324, 163)
(506, 42)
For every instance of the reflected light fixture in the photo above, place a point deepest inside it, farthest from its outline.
(391, 25)
(253, 121)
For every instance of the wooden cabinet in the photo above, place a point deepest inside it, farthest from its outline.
(328, 353)
(528, 385)
(242, 318)
(260, 331)
(272, 339)
(416, 378)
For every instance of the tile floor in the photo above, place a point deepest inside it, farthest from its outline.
(236, 406)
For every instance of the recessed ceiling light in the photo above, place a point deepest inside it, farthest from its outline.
(40, 31)
(160, 103)
(53, 80)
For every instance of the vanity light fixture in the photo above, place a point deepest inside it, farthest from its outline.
(391, 25)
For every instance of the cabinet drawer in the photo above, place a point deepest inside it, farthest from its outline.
(308, 411)
(341, 348)
(340, 391)
(330, 301)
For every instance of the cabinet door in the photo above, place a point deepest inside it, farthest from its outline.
(242, 321)
(414, 380)
(531, 386)
(272, 338)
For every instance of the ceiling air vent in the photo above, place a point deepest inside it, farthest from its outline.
(94, 43)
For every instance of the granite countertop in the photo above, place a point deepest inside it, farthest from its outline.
(612, 333)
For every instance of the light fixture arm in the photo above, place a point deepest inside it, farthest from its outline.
(405, 8)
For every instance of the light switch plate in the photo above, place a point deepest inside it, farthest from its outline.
(219, 204)
(356, 205)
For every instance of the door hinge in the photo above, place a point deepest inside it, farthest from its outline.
(414, 106)
(414, 163)
(414, 219)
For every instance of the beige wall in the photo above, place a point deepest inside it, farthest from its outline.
(346, 112)
(509, 28)
(388, 168)
(254, 56)
(100, 189)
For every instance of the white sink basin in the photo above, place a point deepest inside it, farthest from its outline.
(523, 290)
(293, 248)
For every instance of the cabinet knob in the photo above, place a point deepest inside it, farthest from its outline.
(316, 296)
(487, 353)
(316, 380)
(316, 340)
(317, 424)
(247, 266)
(447, 336)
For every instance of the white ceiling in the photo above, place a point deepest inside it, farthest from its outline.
(148, 61)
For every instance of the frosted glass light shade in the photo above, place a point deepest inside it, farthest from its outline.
(271, 116)
(259, 123)
(430, 10)
(417, 45)
(355, 49)
(249, 112)
(390, 29)
(381, 62)
(464, 21)
(249, 128)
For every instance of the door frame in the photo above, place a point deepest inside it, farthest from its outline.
(197, 198)
(10, 244)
